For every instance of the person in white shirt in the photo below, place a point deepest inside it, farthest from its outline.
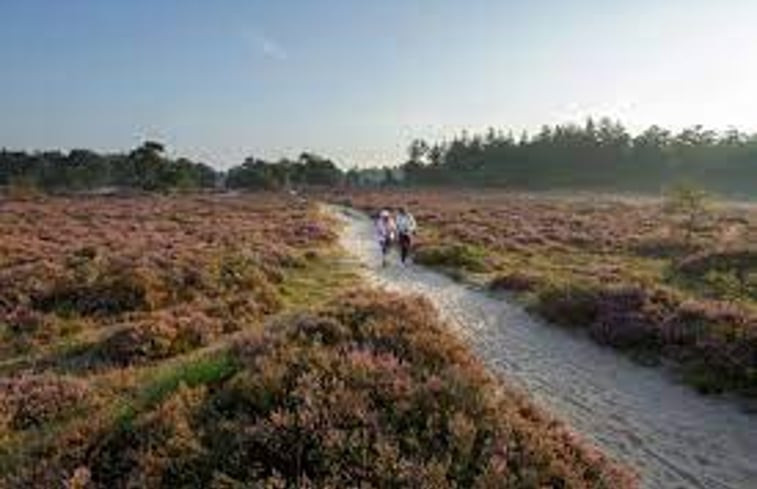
(405, 228)
(386, 231)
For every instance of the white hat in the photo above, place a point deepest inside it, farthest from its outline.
(384, 213)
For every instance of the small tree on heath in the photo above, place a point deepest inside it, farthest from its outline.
(691, 204)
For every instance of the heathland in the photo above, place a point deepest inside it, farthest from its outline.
(221, 341)
(669, 281)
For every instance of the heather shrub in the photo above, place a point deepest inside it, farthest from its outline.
(623, 319)
(515, 281)
(157, 449)
(161, 335)
(720, 345)
(369, 390)
(22, 321)
(567, 304)
(115, 290)
(33, 400)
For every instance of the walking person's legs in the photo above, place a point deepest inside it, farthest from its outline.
(405, 242)
(384, 251)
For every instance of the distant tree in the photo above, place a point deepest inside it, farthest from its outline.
(150, 169)
(417, 151)
(689, 202)
(253, 174)
(389, 179)
(352, 177)
(319, 171)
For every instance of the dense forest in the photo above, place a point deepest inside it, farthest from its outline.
(595, 155)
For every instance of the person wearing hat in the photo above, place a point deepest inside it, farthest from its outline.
(385, 232)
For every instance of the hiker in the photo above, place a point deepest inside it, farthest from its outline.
(385, 230)
(405, 228)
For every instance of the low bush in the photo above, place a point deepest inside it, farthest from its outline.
(161, 336)
(569, 305)
(33, 400)
(730, 274)
(115, 290)
(514, 281)
(460, 256)
(623, 320)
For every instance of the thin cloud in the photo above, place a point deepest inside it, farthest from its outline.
(272, 49)
(266, 46)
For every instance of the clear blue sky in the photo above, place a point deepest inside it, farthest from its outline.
(356, 79)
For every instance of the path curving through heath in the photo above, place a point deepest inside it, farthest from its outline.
(673, 436)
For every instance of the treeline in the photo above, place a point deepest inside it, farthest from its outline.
(144, 168)
(307, 170)
(599, 155)
(595, 155)
(147, 168)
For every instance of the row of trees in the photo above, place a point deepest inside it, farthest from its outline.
(594, 155)
(145, 168)
(307, 170)
(148, 168)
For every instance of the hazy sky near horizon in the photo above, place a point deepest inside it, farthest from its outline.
(356, 80)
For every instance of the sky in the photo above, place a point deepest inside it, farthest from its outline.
(357, 80)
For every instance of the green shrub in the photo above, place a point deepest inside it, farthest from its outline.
(727, 274)
(458, 256)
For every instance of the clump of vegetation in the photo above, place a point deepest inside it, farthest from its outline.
(455, 256)
(368, 389)
(115, 290)
(515, 281)
(32, 400)
(568, 304)
(730, 273)
(160, 336)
